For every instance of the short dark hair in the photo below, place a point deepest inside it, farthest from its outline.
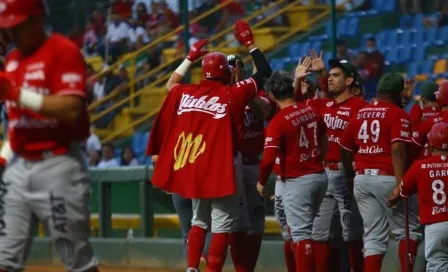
(109, 145)
(280, 85)
(371, 39)
(341, 42)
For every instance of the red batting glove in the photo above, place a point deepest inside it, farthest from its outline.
(7, 91)
(197, 50)
(243, 33)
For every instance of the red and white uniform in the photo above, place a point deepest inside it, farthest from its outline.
(429, 179)
(337, 117)
(57, 68)
(372, 131)
(420, 136)
(419, 114)
(299, 153)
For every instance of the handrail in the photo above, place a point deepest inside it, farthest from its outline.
(165, 37)
(133, 81)
(287, 35)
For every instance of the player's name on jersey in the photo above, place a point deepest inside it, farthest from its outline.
(334, 122)
(374, 149)
(438, 173)
(203, 104)
(302, 118)
(375, 113)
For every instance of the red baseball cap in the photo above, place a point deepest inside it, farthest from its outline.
(438, 136)
(15, 12)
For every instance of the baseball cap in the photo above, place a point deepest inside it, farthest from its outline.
(344, 65)
(15, 12)
(428, 90)
(232, 59)
(391, 83)
(438, 136)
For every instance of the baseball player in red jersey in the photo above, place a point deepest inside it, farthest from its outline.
(296, 141)
(380, 135)
(429, 179)
(336, 114)
(251, 146)
(207, 118)
(419, 136)
(427, 107)
(48, 181)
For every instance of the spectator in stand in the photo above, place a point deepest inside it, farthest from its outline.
(93, 142)
(90, 39)
(154, 21)
(99, 22)
(142, 13)
(342, 51)
(128, 157)
(108, 160)
(137, 33)
(440, 20)
(106, 84)
(77, 36)
(123, 86)
(123, 8)
(169, 19)
(375, 57)
(117, 37)
(90, 72)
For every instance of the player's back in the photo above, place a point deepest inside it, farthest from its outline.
(373, 130)
(431, 177)
(300, 130)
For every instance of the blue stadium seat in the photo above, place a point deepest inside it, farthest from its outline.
(427, 66)
(378, 5)
(392, 38)
(418, 21)
(341, 26)
(406, 37)
(352, 27)
(304, 49)
(144, 141)
(318, 37)
(118, 152)
(388, 6)
(294, 50)
(443, 35)
(418, 36)
(418, 52)
(404, 53)
(317, 46)
(277, 64)
(371, 12)
(392, 55)
(433, 57)
(431, 35)
(414, 68)
(406, 21)
(136, 140)
(381, 38)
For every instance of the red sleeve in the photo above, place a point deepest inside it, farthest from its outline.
(408, 185)
(69, 76)
(267, 164)
(273, 136)
(401, 129)
(416, 116)
(348, 140)
(242, 93)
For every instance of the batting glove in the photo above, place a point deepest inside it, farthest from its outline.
(197, 50)
(243, 33)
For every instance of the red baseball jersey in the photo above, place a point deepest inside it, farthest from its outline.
(318, 103)
(336, 118)
(57, 68)
(296, 131)
(371, 133)
(420, 136)
(419, 114)
(252, 142)
(195, 135)
(429, 179)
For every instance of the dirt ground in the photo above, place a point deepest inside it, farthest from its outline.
(102, 269)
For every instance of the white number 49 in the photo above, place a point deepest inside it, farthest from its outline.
(369, 132)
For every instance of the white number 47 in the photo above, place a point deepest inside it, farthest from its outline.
(303, 141)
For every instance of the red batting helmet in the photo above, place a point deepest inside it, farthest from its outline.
(15, 12)
(215, 65)
(438, 136)
(442, 94)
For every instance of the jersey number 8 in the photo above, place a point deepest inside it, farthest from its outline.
(439, 196)
(369, 132)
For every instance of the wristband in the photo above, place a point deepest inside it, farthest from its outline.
(30, 99)
(6, 153)
(183, 67)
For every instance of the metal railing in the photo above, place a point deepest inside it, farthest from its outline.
(291, 32)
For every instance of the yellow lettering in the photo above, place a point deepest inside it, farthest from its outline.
(187, 148)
